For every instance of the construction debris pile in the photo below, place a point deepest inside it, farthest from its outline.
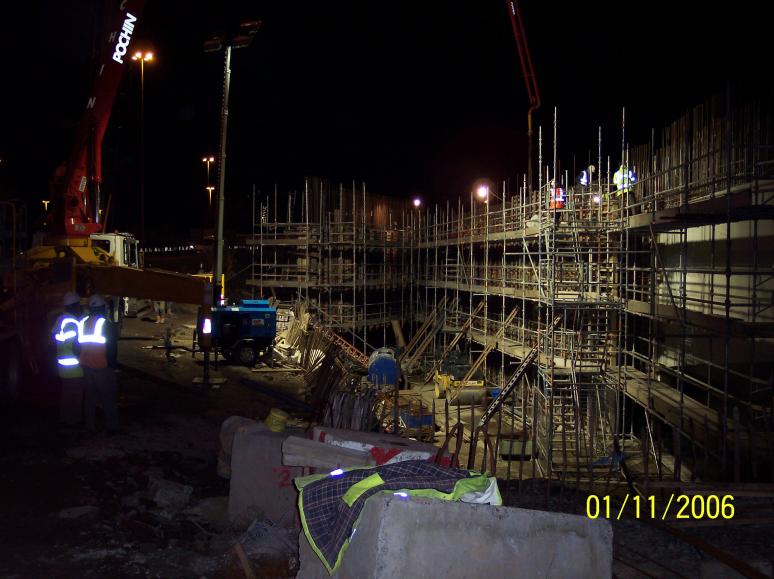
(333, 371)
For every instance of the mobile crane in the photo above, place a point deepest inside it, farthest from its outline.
(74, 253)
(76, 203)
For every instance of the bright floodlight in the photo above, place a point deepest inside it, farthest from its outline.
(417, 202)
(597, 199)
(144, 56)
(482, 192)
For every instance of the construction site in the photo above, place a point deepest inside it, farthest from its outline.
(614, 344)
(639, 320)
(563, 372)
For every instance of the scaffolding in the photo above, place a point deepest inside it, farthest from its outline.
(663, 290)
(699, 287)
(644, 311)
(531, 265)
(340, 250)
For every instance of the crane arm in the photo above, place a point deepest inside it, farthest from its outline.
(75, 211)
(524, 55)
(533, 93)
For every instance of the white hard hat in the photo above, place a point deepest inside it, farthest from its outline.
(96, 301)
(70, 299)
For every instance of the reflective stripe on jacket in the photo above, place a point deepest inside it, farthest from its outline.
(556, 198)
(92, 340)
(66, 331)
(624, 180)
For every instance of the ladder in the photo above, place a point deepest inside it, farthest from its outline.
(456, 340)
(517, 375)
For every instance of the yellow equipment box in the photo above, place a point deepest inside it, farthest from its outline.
(446, 384)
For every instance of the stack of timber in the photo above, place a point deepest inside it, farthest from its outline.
(297, 451)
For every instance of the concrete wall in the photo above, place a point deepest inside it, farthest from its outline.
(706, 249)
(425, 538)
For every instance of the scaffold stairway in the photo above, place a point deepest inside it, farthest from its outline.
(438, 319)
(456, 340)
(426, 325)
(490, 345)
(514, 379)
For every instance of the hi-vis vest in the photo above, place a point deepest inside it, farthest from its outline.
(624, 180)
(67, 328)
(92, 340)
(556, 198)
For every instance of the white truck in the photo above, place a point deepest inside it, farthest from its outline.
(123, 248)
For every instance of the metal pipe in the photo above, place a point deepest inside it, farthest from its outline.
(727, 309)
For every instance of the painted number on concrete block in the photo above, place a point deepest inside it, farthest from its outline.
(283, 476)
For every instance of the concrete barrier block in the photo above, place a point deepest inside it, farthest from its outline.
(426, 538)
(260, 484)
(228, 430)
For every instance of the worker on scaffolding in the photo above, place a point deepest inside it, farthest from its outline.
(65, 331)
(586, 177)
(624, 180)
(590, 199)
(556, 199)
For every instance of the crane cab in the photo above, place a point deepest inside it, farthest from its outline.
(122, 247)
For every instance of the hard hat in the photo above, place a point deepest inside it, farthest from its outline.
(70, 299)
(96, 301)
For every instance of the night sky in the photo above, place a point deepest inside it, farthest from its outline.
(414, 97)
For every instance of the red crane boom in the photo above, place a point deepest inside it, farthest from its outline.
(77, 196)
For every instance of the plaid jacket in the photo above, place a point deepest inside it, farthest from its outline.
(331, 506)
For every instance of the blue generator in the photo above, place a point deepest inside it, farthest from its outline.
(245, 332)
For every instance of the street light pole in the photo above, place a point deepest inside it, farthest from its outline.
(142, 151)
(242, 39)
(142, 58)
(209, 160)
(217, 283)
